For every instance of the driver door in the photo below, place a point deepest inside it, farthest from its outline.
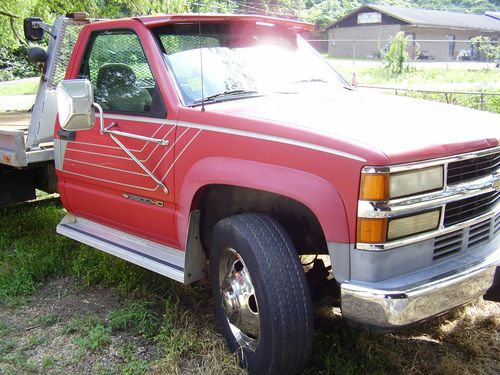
(124, 178)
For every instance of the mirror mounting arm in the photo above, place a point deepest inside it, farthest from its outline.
(113, 135)
(101, 117)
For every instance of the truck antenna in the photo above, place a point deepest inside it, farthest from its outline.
(201, 60)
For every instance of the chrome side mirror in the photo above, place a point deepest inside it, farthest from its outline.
(75, 100)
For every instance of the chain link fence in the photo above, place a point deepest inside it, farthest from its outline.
(420, 51)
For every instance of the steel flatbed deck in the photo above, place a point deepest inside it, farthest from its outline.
(13, 133)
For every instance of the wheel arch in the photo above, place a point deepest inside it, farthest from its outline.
(317, 197)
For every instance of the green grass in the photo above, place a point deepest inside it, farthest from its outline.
(132, 364)
(4, 329)
(490, 103)
(48, 320)
(81, 325)
(90, 332)
(177, 320)
(48, 362)
(96, 338)
(369, 74)
(135, 316)
(19, 88)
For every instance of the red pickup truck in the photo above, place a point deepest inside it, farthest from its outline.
(225, 145)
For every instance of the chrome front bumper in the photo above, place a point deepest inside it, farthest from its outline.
(386, 308)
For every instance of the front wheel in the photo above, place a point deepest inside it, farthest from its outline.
(261, 296)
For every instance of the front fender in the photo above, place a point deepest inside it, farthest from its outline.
(316, 193)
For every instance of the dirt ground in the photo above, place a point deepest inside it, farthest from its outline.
(34, 338)
(36, 342)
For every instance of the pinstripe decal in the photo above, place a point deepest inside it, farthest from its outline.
(105, 167)
(140, 174)
(273, 138)
(118, 148)
(242, 133)
(190, 125)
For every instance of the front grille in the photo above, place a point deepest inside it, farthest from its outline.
(465, 239)
(470, 169)
(468, 208)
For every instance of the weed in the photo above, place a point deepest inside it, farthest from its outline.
(97, 338)
(32, 255)
(4, 329)
(35, 341)
(48, 362)
(30, 365)
(6, 346)
(48, 320)
(136, 316)
(81, 325)
(132, 364)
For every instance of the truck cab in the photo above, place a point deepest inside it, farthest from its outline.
(225, 146)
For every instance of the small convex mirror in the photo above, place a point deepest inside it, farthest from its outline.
(74, 104)
(32, 27)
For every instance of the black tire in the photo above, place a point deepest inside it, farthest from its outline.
(284, 304)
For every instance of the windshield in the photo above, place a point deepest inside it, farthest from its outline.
(240, 61)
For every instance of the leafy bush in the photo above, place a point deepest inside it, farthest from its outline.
(490, 49)
(396, 58)
(14, 64)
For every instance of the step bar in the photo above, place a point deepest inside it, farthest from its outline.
(153, 256)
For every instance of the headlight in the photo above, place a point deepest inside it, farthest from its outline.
(421, 181)
(385, 186)
(379, 230)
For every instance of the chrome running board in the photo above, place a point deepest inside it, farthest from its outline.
(150, 255)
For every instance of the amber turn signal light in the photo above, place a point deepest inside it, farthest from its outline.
(371, 230)
(374, 187)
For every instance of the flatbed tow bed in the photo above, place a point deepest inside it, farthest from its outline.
(13, 142)
(15, 120)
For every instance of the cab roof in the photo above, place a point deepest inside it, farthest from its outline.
(154, 21)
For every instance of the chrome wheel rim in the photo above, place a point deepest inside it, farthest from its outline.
(239, 301)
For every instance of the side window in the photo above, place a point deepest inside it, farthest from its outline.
(116, 65)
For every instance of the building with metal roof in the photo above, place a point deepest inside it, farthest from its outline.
(433, 34)
(493, 14)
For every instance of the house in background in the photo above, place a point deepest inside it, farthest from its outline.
(433, 34)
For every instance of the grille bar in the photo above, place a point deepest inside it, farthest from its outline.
(469, 208)
(447, 244)
(469, 169)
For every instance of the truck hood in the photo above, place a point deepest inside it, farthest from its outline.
(403, 129)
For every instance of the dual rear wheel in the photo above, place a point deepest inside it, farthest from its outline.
(261, 296)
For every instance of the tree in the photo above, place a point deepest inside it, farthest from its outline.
(491, 50)
(325, 12)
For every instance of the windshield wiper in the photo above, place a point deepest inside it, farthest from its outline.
(310, 80)
(221, 95)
